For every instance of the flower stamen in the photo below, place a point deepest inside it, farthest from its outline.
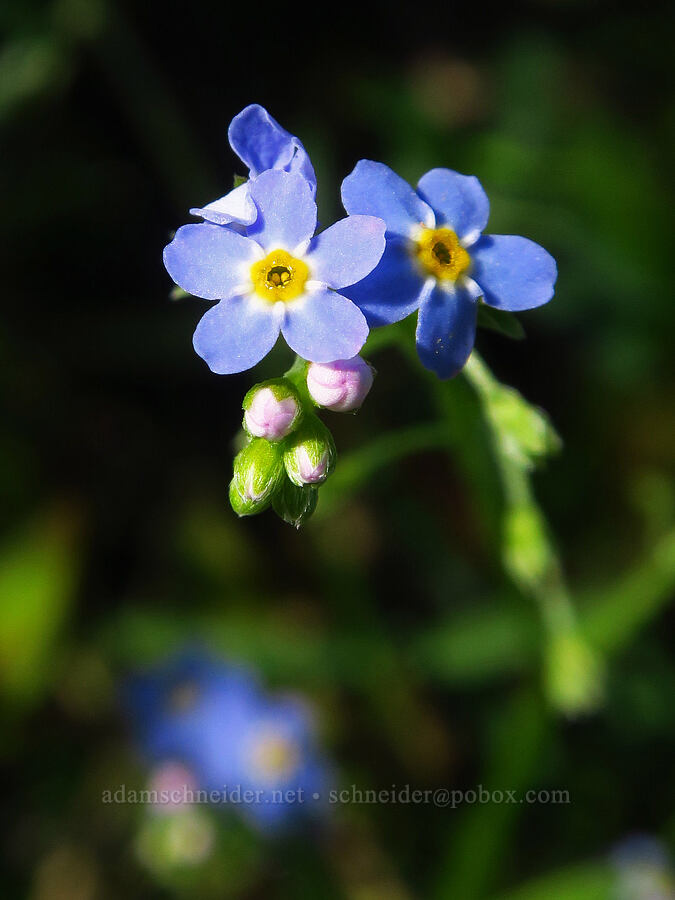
(274, 757)
(279, 276)
(439, 253)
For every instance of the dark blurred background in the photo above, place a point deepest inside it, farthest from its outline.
(392, 610)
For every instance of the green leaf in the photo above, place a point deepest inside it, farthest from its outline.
(526, 550)
(481, 838)
(501, 321)
(360, 466)
(475, 647)
(575, 677)
(37, 579)
(521, 436)
(592, 881)
(611, 617)
(523, 433)
(379, 339)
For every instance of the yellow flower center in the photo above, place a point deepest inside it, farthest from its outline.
(440, 253)
(184, 697)
(274, 757)
(279, 276)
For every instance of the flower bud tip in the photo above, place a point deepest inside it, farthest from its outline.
(342, 385)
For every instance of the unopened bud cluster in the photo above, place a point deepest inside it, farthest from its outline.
(291, 452)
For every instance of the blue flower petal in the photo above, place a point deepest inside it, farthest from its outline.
(513, 272)
(393, 290)
(459, 202)
(291, 717)
(322, 326)
(236, 334)
(218, 692)
(237, 206)
(286, 210)
(446, 330)
(373, 189)
(260, 142)
(347, 251)
(210, 261)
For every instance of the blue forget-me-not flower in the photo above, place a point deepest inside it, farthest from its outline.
(273, 276)
(438, 261)
(261, 143)
(257, 752)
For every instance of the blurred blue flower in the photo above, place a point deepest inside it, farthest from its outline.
(437, 261)
(261, 143)
(273, 276)
(259, 752)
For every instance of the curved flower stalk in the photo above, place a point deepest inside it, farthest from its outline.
(398, 250)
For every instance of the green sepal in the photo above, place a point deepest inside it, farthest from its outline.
(258, 472)
(294, 504)
(501, 321)
(239, 180)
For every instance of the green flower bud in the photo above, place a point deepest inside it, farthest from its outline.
(310, 454)
(258, 470)
(272, 410)
(294, 504)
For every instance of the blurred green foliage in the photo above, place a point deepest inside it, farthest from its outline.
(37, 586)
(476, 600)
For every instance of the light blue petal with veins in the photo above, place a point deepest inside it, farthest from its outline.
(236, 334)
(347, 251)
(323, 326)
(210, 261)
(374, 189)
(286, 211)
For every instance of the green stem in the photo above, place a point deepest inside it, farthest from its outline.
(574, 671)
(544, 580)
(297, 375)
(497, 438)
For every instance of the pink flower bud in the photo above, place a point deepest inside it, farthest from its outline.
(310, 457)
(270, 417)
(310, 471)
(173, 785)
(341, 385)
